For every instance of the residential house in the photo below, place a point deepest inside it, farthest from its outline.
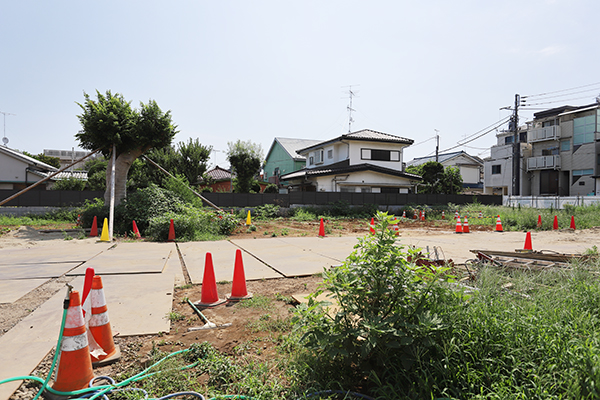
(221, 178)
(67, 157)
(565, 155)
(283, 158)
(470, 167)
(364, 161)
(17, 171)
(498, 167)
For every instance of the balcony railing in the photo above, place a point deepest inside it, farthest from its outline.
(543, 162)
(541, 134)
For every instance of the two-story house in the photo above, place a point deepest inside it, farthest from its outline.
(17, 171)
(470, 167)
(498, 167)
(363, 161)
(565, 157)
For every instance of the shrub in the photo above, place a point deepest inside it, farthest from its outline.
(69, 184)
(271, 188)
(387, 306)
(300, 214)
(191, 223)
(267, 211)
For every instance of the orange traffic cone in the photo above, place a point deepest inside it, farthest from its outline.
(555, 224)
(136, 231)
(539, 223)
(528, 242)
(423, 216)
(171, 232)
(396, 228)
(455, 214)
(100, 326)
(75, 366)
(443, 215)
(466, 226)
(372, 226)
(572, 222)
(322, 229)
(209, 296)
(499, 225)
(403, 213)
(480, 214)
(94, 230)
(415, 215)
(238, 288)
(459, 228)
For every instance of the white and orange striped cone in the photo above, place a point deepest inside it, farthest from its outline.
(100, 326)
(423, 216)
(480, 214)
(466, 226)
(372, 226)
(415, 215)
(458, 226)
(396, 228)
(403, 213)
(499, 225)
(455, 214)
(75, 366)
(443, 215)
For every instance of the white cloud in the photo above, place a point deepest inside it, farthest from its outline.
(550, 51)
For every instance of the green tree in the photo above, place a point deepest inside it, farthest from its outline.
(436, 179)
(69, 184)
(53, 161)
(96, 170)
(246, 159)
(191, 160)
(110, 120)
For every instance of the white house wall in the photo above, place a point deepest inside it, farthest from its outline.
(357, 146)
(358, 180)
(469, 174)
(13, 170)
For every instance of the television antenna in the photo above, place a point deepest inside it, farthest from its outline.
(5, 139)
(349, 107)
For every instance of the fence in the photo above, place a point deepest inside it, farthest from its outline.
(49, 198)
(60, 198)
(353, 199)
(556, 202)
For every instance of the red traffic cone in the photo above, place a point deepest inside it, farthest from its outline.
(539, 223)
(136, 231)
(75, 366)
(209, 296)
(466, 226)
(322, 229)
(572, 222)
(415, 215)
(499, 225)
(403, 213)
(443, 215)
(455, 214)
(238, 288)
(171, 232)
(480, 214)
(423, 216)
(555, 224)
(94, 230)
(396, 228)
(459, 228)
(100, 326)
(372, 226)
(420, 215)
(528, 242)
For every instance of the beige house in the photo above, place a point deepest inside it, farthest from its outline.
(17, 171)
(470, 167)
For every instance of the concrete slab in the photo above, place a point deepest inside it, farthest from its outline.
(129, 258)
(286, 259)
(12, 290)
(336, 248)
(58, 252)
(223, 255)
(138, 304)
(35, 271)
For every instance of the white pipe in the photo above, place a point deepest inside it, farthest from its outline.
(111, 215)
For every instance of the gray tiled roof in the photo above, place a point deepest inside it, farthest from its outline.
(366, 135)
(291, 145)
(442, 158)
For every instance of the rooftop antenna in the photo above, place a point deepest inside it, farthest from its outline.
(5, 139)
(349, 107)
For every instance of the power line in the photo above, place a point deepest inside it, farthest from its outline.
(558, 101)
(560, 91)
(498, 124)
(566, 94)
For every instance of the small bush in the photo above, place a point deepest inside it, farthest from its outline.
(300, 214)
(267, 211)
(190, 224)
(271, 188)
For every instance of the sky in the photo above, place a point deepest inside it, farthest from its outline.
(256, 70)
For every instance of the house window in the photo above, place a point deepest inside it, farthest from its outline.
(565, 145)
(330, 154)
(365, 190)
(311, 160)
(508, 139)
(390, 190)
(582, 172)
(552, 151)
(347, 189)
(584, 129)
(276, 171)
(496, 169)
(380, 155)
(319, 156)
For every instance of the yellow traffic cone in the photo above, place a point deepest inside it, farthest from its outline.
(104, 237)
(248, 219)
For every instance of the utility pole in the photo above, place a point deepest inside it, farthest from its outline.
(437, 145)
(516, 178)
